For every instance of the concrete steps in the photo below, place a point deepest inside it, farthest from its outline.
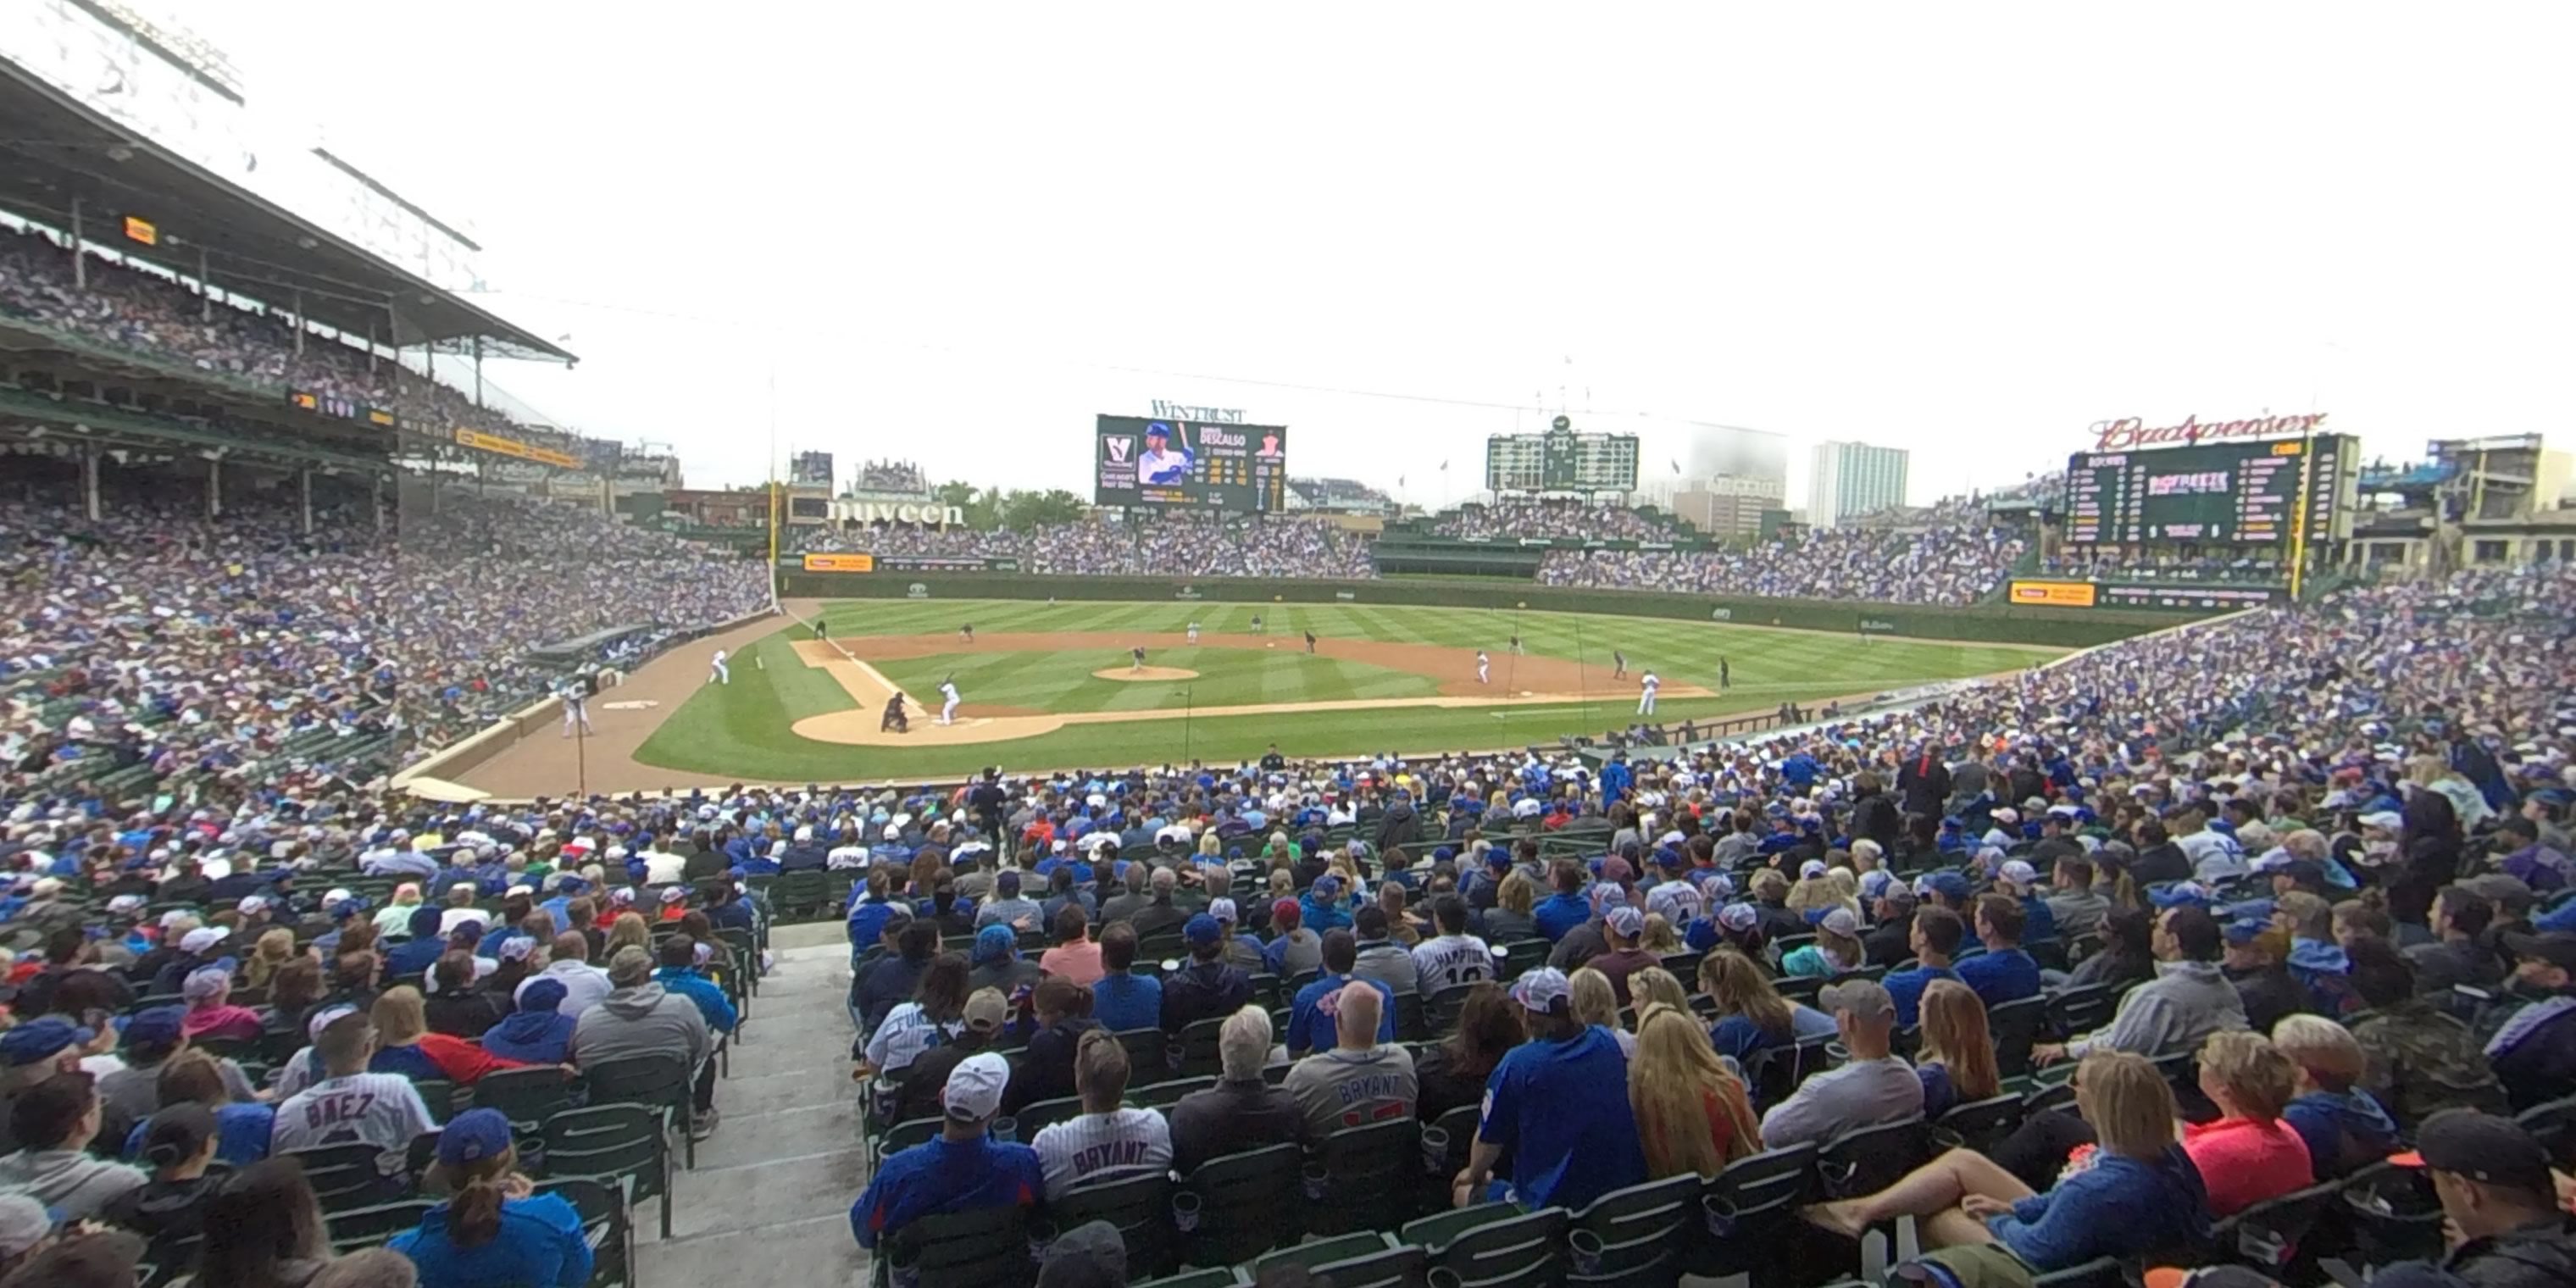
(769, 1201)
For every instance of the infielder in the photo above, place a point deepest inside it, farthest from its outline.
(1257, 628)
(576, 705)
(1194, 632)
(1310, 641)
(1725, 675)
(966, 632)
(722, 674)
(1618, 665)
(1482, 666)
(1516, 646)
(1646, 699)
(948, 708)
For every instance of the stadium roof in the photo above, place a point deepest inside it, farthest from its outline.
(54, 148)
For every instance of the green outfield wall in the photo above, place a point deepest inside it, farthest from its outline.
(1999, 624)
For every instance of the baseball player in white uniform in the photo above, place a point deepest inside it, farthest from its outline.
(948, 705)
(1194, 632)
(1646, 699)
(1483, 665)
(721, 674)
(576, 705)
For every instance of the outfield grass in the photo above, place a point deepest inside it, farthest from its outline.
(744, 729)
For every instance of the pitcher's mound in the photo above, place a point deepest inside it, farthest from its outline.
(1149, 673)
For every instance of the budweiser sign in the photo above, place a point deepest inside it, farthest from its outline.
(2121, 435)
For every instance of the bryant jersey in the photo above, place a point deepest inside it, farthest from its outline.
(1080, 1149)
(379, 1109)
(1451, 960)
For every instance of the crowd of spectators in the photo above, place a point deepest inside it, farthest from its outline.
(202, 647)
(1556, 521)
(1941, 565)
(2119, 565)
(899, 477)
(140, 309)
(1171, 545)
(2268, 845)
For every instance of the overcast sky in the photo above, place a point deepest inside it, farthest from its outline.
(957, 232)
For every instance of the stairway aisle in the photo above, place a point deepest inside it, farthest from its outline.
(769, 1202)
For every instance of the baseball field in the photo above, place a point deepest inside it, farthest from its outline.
(1047, 686)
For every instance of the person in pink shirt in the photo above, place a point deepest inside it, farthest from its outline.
(211, 1014)
(2250, 1154)
(1075, 956)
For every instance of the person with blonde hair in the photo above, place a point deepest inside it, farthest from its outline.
(274, 949)
(1957, 1059)
(1693, 1115)
(2135, 1192)
(2346, 1128)
(1655, 984)
(1662, 939)
(1751, 1015)
(1596, 1003)
(406, 1045)
(2248, 1155)
(1511, 916)
(630, 928)
(1107, 1137)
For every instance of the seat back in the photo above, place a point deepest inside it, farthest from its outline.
(1493, 1240)
(2015, 1027)
(1198, 1049)
(607, 1224)
(366, 1227)
(1777, 1070)
(526, 1097)
(2269, 1235)
(1412, 1020)
(611, 1140)
(639, 1080)
(987, 1248)
(1367, 1176)
(1873, 1158)
(2081, 1010)
(1628, 1236)
(1982, 1124)
(1522, 954)
(1440, 1010)
(1233, 1207)
(1141, 1208)
(1745, 1211)
(1149, 1057)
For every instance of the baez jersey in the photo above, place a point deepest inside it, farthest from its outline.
(379, 1109)
(1078, 1149)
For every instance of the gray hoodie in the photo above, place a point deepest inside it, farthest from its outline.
(68, 1180)
(2171, 1014)
(640, 1019)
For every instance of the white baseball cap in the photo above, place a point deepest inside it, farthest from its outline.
(974, 1089)
(200, 939)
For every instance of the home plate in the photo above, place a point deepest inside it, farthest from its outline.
(638, 704)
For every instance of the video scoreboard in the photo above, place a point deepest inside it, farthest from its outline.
(1159, 462)
(1561, 460)
(2213, 493)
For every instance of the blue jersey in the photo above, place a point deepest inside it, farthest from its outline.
(1127, 1002)
(2000, 976)
(941, 1176)
(242, 1133)
(1559, 1110)
(1310, 1022)
(1559, 913)
(541, 1245)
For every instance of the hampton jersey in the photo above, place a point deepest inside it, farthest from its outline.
(379, 1109)
(1078, 1149)
(1451, 960)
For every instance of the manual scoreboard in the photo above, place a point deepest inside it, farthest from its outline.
(2240, 494)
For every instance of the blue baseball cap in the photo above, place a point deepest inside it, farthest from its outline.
(1203, 930)
(1327, 886)
(473, 1136)
(40, 1040)
(2183, 894)
(2244, 929)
